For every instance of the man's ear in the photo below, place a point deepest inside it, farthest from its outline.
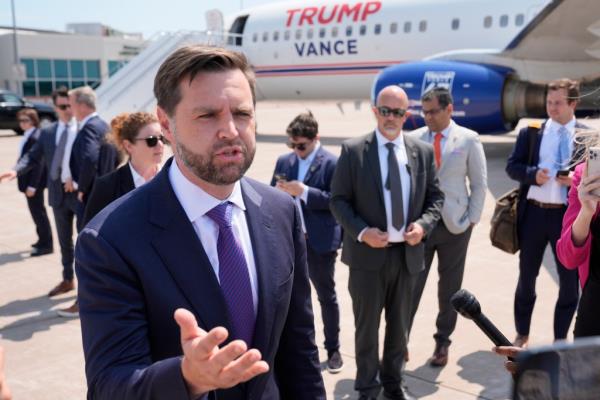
(163, 120)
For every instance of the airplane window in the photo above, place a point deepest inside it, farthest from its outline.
(455, 24)
(275, 36)
(407, 26)
(299, 34)
(519, 19)
(286, 35)
(322, 32)
(377, 29)
(422, 26)
(487, 22)
(265, 36)
(334, 31)
(362, 30)
(393, 27)
(349, 30)
(255, 37)
(503, 20)
(309, 33)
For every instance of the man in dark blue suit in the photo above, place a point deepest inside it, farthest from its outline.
(195, 285)
(541, 161)
(91, 130)
(53, 152)
(306, 175)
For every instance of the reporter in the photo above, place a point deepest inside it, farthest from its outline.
(579, 247)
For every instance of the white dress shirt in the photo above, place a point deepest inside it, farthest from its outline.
(551, 191)
(65, 172)
(394, 235)
(303, 166)
(138, 180)
(196, 203)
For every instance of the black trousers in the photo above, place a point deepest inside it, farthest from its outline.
(37, 209)
(588, 320)
(539, 227)
(63, 216)
(389, 289)
(321, 270)
(452, 254)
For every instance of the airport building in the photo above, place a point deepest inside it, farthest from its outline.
(86, 54)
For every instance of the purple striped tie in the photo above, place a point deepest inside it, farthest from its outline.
(233, 275)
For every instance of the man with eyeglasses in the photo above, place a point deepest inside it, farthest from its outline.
(306, 175)
(54, 150)
(385, 195)
(461, 169)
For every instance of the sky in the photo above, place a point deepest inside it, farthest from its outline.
(145, 16)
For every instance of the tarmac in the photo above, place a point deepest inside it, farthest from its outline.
(44, 358)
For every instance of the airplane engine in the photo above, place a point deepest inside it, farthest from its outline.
(487, 98)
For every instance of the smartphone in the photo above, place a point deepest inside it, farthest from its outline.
(593, 165)
(562, 172)
(281, 177)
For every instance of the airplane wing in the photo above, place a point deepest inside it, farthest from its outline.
(565, 30)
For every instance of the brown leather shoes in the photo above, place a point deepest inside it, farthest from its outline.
(63, 287)
(69, 312)
(440, 356)
(521, 341)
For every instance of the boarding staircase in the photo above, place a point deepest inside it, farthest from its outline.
(131, 88)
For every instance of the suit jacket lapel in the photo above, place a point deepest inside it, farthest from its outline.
(413, 168)
(315, 165)
(261, 234)
(372, 159)
(448, 146)
(180, 249)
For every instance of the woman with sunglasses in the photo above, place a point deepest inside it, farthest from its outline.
(140, 137)
(33, 183)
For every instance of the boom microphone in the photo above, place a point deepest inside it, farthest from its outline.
(467, 305)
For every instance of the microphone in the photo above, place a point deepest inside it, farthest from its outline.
(467, 305)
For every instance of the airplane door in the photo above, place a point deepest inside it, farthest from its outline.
(237, 29)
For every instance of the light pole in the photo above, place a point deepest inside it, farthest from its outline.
(16, 69)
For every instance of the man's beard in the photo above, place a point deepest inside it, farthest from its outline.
(204, 167)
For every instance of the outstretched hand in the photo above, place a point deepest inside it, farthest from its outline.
(207, 367)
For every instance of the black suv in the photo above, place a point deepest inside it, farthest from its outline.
(11, 103)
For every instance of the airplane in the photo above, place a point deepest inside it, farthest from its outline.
(494, 56)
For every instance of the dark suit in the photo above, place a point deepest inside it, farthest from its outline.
(381, 278)
(536, 228)
(85, 153)
(35, 177)
(323, 234)
(140, 259)
(107, 189)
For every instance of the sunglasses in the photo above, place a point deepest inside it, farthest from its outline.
(63, 107)
(386, 112)
(297, 146)
(24, 120)
(152, 141)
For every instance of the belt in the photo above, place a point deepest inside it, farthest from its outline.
(545, 205)
(395, 244)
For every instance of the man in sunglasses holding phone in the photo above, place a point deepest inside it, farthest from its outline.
(54, 150)
(306, 175)
(385, 195)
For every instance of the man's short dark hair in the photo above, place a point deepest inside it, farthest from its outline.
(304, 125)
(187, 62)
(62, 91)
(571, 86)
(442, 95)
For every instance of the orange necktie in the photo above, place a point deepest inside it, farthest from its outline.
(437, 149)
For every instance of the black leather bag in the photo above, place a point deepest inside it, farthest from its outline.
(503, 231)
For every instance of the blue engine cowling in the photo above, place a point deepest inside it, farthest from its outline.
(477, 91)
